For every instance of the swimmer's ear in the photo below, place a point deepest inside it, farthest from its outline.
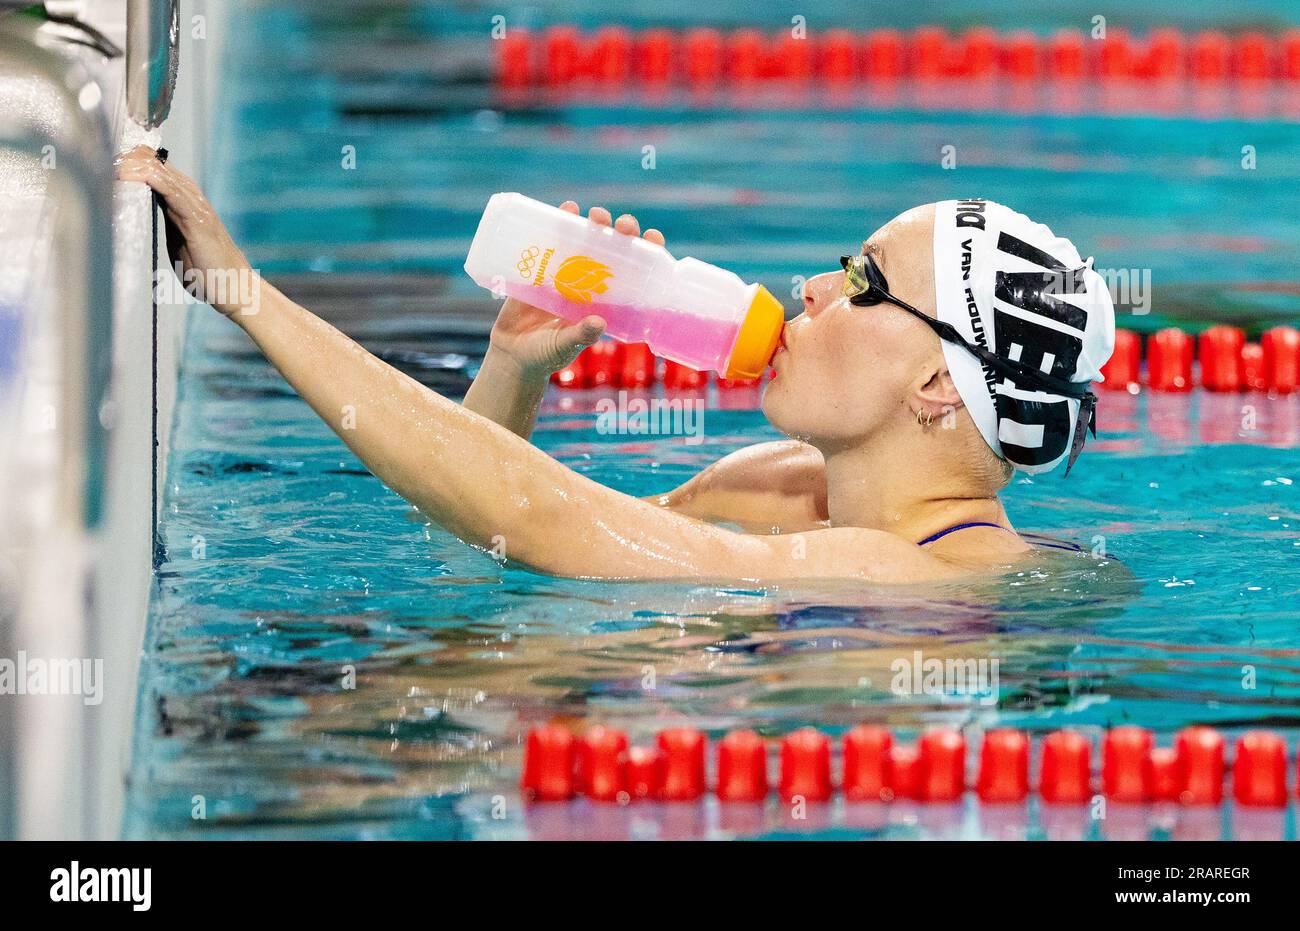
(939, 395)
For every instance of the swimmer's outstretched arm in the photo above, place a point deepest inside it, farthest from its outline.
(488, 486)
(493, 489)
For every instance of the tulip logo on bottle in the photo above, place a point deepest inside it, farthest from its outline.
(579, 278)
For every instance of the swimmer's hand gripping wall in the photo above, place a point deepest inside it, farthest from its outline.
(688, 311)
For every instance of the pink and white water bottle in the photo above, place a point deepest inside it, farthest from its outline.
(691, 312)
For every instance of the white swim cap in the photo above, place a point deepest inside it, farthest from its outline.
(1009, 285)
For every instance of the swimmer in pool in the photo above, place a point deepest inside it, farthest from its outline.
(904, 426)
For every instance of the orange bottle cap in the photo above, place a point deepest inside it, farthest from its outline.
(759, 333)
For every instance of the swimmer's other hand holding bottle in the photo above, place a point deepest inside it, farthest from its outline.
(688, 311)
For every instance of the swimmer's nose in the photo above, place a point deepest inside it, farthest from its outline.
(820, 290)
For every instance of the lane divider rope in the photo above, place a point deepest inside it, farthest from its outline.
(601, 765)
(617, 56)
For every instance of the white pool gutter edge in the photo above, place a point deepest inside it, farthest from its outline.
(80, 786)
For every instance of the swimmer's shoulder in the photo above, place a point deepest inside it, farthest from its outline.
(981, 548)
(882, 557)
(995, 551)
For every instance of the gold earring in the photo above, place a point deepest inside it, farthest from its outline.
(925, 418)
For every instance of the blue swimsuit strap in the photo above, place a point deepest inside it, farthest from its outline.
(1052, 543)
(1037, 539)
(955, 527)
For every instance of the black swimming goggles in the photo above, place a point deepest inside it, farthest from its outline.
(865, 286)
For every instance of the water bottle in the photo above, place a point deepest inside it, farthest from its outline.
(688, 311)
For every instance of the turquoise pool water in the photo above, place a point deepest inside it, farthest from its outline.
(293, 575)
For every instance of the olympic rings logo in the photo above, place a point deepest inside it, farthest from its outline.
(526, 260)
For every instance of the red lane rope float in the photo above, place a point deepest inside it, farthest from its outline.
(638, 367)
(742, 768)
(806, 766)
(645, 774)
(1201, 752)
(682, 750)
(1169, 360)
(1066, 772)
(1123, 371)
(865, 761)
(1219, 352)
(604, 363)
(1281, 349)
(942, 759)
(549, 764)
(1259, 770)
(653, 54)
(1125, 764)
(602, 766)
(1252, 367)
(701, 57)
(1004, 767)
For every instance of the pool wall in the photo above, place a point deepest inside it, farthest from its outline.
(147, 375)
(84, 595)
